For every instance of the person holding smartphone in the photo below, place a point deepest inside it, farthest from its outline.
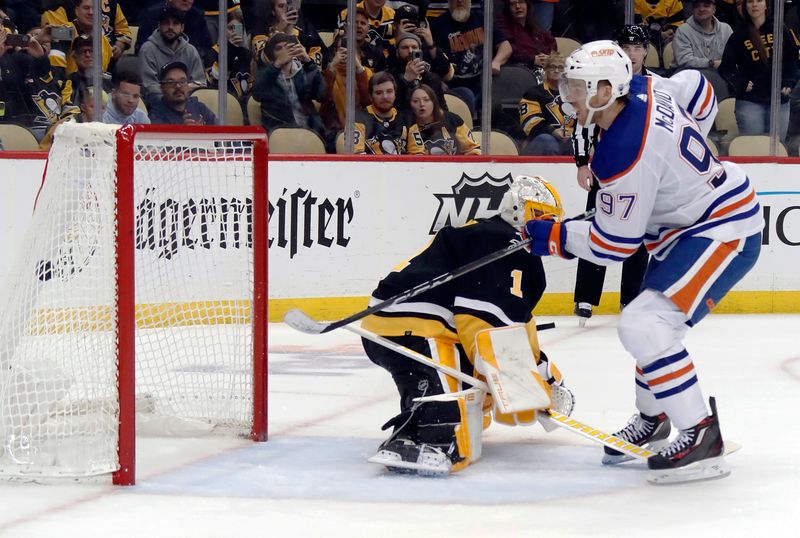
(286, 17)
(240, 80)
(26, 79)
(412, 68)
(333, 107)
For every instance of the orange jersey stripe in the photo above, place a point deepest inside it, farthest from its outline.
(706, 101)
(685, 297)
(727, 209)
(664, 378)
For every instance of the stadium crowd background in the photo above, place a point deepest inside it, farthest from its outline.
(419, 84)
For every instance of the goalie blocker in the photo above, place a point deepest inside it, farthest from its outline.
(481, 319)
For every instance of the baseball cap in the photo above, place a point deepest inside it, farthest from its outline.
(166, 68)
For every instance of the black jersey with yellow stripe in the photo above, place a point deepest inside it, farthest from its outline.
(377, 135)
(498, 294)
(541, 111)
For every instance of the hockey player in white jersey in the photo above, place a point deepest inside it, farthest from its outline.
(700, 221)
(692, 91)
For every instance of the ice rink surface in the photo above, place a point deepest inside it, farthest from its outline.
(327, 403)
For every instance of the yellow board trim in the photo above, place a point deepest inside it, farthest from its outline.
(551, 304)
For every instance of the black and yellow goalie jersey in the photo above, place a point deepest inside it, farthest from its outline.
(540, 111)
(498, 294)
(379, 136)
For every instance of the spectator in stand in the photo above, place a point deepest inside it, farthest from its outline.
(333, 106)
(747, 66)
(435, 131)
(168, 44)
(699, 43)
(85, 99)
(662, 17)
(194, 25)
(541, 114)
(286, 17)
(210, 9)
(61, 57)
(531, 44)
(125, 96)
(372, 56)
(380, 21)
(176, 106)
(240, 79)
(459, 34)
(544, 11)
(288, 84)
(29, 94)
(117, 33)
(380, 129)
(413, 67)
(83, 58)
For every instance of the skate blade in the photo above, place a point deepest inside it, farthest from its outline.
(655, 446)
(393, 462)
(710, 469)
(582, 322)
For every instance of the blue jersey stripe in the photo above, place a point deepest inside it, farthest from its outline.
(696, 96)
(617, 238)
(714, 205)
(665, 361)
(676, 390)
(607, 256)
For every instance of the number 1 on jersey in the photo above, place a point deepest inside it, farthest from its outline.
(516, 283)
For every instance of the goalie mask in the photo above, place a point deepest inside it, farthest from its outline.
(590, 64)
(528, 198)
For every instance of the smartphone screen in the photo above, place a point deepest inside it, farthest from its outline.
(18, 40)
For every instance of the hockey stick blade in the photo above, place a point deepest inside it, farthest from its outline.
(299, 320)
(302, 322)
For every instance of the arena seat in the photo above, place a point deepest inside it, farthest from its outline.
(725, 123)
(501, 143)
(209, 97)
(753, 145)
(653, 60)
(253, 111)
(295, 140)
(668, 56)
(17, 138)
(134, 35)
(457, 105)
(566, 45)
(712, 146)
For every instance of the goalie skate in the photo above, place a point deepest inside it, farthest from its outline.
(406, 456)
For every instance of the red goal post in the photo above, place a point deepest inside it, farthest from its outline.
(126, 155)
(140, 295)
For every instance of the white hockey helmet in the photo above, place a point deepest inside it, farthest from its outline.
(592, 63)
(530, 197)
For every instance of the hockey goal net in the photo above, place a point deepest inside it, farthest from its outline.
(139, 301)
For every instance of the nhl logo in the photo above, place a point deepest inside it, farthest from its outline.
(472, 198)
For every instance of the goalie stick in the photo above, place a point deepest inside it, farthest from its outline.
(555, 419)
(299, 320)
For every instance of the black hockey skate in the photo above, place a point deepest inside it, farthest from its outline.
(402, 455)
(584, 312)
(696, 454)
(642, 430)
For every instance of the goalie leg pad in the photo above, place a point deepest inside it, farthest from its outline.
(505, 358)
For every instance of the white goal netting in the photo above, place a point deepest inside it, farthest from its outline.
(193, 210)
